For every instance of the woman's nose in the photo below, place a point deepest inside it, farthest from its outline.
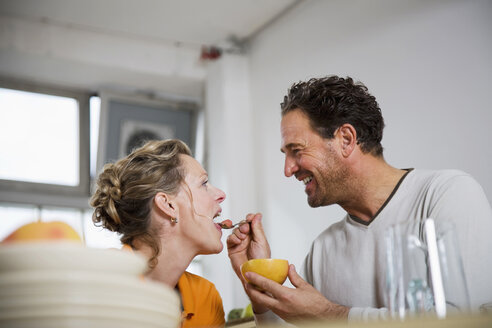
(220, 195)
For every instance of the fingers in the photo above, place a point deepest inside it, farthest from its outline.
(233, 240)
(252, 219)
(250, 216)
(245, 228)
(265, 284)
(237, 242)
(294, 277)
(250, 238)
(242, 232)
(260, 299)
(257, 227)
(262, 248)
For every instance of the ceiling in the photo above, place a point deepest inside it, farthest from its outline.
(193, 22)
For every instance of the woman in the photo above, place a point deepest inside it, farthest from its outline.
(160, 201)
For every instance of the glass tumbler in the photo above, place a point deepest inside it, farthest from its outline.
(424, 274)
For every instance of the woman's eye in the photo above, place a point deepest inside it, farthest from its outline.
(205, 183)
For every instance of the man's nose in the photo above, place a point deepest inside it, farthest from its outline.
(290, 166)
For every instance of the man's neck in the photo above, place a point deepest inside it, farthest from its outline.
(372, 183)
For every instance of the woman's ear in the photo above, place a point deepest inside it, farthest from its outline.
(348, 139)
(166, 204)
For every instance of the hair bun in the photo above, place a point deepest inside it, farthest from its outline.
(115, 193)
(108, 192)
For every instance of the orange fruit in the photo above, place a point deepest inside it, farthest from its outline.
(273, 269)
(43, 231)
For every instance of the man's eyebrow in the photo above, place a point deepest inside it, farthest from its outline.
(289, 146)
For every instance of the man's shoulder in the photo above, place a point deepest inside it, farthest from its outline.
(437, 173)
(433, 184)
(436, 177)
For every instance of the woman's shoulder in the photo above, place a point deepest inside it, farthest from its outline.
(198, 289)
(202, 304)
(194, 281)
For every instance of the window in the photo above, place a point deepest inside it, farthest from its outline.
(44, 145)
(39, 138)
(49, 141)
(14, 215)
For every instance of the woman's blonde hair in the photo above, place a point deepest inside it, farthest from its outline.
(125, 190)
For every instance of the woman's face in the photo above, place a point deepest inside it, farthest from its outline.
(199, 203)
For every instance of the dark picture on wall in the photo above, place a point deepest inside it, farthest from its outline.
(127, 124)
(136, 133)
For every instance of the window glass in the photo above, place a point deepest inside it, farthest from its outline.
(12, 217)
(39, 138)
(98, 237)
(72, 217)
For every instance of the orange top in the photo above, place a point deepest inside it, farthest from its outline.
(202, 304)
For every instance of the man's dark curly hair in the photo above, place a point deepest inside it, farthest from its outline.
(332, 101)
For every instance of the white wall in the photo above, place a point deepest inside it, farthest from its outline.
(229, 129)
(427, 62)
(62, 55)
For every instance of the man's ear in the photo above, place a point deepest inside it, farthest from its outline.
(347, 137)
(166, 204)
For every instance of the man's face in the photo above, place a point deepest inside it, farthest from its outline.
(312, 159)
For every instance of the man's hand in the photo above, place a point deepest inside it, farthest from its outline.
(293, 304)
(246, 242)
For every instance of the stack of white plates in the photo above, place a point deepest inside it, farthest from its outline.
(68, 285)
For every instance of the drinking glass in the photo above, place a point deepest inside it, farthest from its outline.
(425, 274)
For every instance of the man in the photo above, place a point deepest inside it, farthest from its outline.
(331, 136)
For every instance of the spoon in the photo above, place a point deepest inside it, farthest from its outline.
(227, 224)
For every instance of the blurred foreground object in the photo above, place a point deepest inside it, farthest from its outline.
(65, 284)
(457, 321)
(241, 317)
(39, 231)
(234, 314)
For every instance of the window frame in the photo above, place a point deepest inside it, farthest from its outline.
(44, 194)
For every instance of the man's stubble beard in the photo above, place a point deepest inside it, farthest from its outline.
(330, 185)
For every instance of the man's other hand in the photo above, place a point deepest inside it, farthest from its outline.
(303, 302)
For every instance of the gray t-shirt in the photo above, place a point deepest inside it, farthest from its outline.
(347, 261)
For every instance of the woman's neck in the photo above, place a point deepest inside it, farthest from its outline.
(171, 262)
